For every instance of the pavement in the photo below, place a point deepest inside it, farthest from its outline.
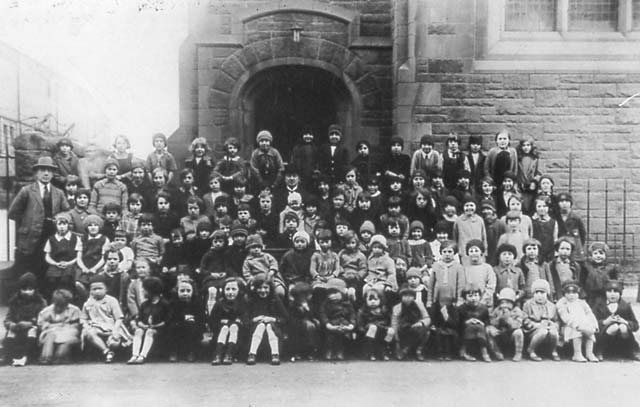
(354, 383)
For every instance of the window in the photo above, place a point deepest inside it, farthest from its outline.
(571, 15)
(558, 35)
(530, 15)
(593, 15)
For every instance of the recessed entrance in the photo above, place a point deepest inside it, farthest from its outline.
(285, 98)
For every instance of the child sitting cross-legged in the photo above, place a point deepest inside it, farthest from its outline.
(265, 314)
(410, 323)
(506, 325)
(150, 322)
(373, 322)
(541, 321)
(225, 321)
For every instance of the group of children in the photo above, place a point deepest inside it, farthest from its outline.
(448, 255)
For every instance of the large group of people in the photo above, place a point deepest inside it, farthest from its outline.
(452, 254)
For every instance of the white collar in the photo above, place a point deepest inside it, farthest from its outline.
(66, 236)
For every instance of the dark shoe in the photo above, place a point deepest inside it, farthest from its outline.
(498, 355)
(534, 356)
(173, 357)
(251, 359)
(419, 354)
(217, 360)
(228, 357)
(555, 357)
(275, 360)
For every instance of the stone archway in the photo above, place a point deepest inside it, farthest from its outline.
(233, 85)
(284, 99)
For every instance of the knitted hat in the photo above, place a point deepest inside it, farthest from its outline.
(426, 139)
(65, 141)
(264, 135)
(564, 196)
(474, 243)
(413, 272)
(380, 240)
(416, 224)
(547, 177)
(301, 234)
(475, 139)
(254, 240)
(335, 128)
(111, 161)
(507, 294)
(363, 143)
(570, 286)
(467, 198)
(506, 247)
(367, 226)
(219, 235)
(27, 280)
(221, 200)
(294, 195)
(598, 246)
(464, 174)
(63, 216)
(137, 163)
(337, 284)
(93, 220)
(419, 173)
(442, 226)
(487, 204)
(511, 175)
(450, 201)
(98, 279)
(540, 285)
(616, 285)
(397, 140)
(204, 224)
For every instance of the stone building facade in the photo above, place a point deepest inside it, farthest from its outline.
(558, 70)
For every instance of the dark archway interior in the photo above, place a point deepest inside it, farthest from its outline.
(287, 98)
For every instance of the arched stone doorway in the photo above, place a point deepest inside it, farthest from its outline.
(283, 99)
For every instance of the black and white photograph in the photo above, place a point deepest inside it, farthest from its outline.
(319, 202)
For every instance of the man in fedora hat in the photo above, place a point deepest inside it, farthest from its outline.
(33, 210)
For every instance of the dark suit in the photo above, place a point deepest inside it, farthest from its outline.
(476, 169)
(32, 229)
(334, 166)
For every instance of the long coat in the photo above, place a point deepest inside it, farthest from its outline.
(27, 210)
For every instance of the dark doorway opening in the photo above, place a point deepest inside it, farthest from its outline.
(287, 98)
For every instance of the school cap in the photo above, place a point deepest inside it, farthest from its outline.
(616, 285)
(564, 196)
(238, 230)
(397, 140)
(487, 204)
(219, 234)
(426, 139)
(475, 139)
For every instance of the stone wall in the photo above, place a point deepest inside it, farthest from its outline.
(588, 143)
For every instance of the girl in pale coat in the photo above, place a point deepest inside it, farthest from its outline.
(579, 322)
(381, 273)
(59, 325)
